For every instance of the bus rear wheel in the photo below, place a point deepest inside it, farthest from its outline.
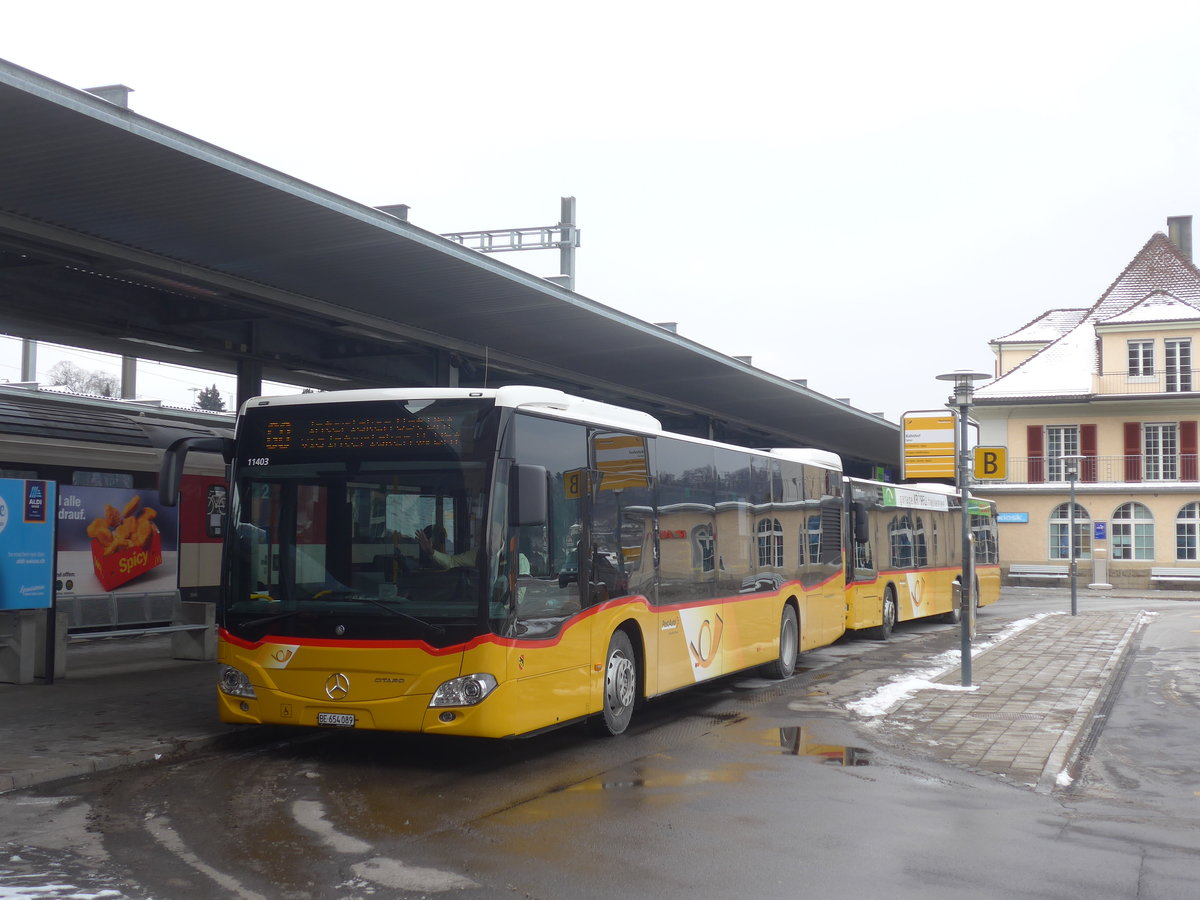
(620, 687)
(789, 646)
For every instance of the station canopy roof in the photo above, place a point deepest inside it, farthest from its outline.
(118, 233)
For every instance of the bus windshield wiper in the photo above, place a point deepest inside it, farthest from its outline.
(430, 627)
(436, 630)
(276, 617)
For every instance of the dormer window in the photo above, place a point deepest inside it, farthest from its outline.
(1141, 358)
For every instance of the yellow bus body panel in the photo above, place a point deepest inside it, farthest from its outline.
(919, 593)
(388, 685)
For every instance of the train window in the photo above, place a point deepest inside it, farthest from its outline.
(18, 473)
(82, 478)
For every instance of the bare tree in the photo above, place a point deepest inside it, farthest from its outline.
(80, 381)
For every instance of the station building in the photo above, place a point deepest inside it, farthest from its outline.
(1104, 397)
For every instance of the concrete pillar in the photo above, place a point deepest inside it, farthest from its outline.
(60, 645)
(198, 643)
(18, 644)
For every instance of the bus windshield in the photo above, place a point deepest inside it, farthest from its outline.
(361, 521)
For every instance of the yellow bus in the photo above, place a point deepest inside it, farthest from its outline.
(904, 554)
(500, 562)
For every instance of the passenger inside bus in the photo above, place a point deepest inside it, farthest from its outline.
(432, 543)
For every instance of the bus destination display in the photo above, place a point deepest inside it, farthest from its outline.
(356, 433)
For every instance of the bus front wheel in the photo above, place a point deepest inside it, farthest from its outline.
(789, 646)
(620, 687)
(888, 615)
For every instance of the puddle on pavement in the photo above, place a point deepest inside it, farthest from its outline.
(800, 740)
(652, 776)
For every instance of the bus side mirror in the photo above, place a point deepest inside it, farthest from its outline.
(527, 496)
(862, 530)
(171, 468)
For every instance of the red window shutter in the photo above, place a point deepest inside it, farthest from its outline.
(1087, 449)
(1133, 451)
(1034, 448)
(1187, 451)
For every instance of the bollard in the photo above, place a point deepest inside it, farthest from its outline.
(1100, 570)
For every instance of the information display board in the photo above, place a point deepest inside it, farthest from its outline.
(927, 448)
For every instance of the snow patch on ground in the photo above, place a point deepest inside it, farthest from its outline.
(904, 686)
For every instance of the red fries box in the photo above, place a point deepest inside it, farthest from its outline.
(124, 545)
(124, 565)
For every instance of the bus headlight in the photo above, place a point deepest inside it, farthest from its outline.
(235, 683)
(466, 691)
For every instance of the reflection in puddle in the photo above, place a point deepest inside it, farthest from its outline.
(641, 778)
(800, 741)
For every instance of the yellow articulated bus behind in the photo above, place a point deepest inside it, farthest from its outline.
(904, 554)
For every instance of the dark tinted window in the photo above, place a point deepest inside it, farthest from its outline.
(686, 519)
(546, 579)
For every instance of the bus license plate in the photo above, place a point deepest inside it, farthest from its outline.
(339, 720)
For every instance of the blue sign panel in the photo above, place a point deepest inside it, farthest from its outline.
(26, 543)
(1101, 531)
(1022, 518)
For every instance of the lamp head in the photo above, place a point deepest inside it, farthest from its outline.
(964, 384)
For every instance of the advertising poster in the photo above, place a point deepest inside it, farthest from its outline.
(26, 543)
(115, 540)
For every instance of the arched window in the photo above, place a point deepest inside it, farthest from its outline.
(1132, 532)
(900, 539)
(983, 527)
(1187, 530)
(704, 549)
(770, 543)
(920, 549)
(1060, 527)
(813, 534)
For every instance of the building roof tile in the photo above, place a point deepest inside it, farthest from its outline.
(1065, 365)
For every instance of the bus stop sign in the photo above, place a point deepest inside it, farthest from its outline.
(991, 463)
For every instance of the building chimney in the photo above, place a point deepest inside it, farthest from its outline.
(116, 94)
(1179, 230)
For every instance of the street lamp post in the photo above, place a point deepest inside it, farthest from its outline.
(1072, 466)
(964, 389)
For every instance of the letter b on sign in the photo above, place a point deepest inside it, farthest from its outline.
(991, 463)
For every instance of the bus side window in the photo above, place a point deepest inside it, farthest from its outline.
(547, 576)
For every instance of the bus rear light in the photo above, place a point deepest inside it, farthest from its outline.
(468, 690)
(235, 683)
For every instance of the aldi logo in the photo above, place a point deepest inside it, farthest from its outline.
(35, 502)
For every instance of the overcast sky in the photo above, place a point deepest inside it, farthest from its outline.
(861, 194)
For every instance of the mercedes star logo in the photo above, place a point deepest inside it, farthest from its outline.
(337, 686)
